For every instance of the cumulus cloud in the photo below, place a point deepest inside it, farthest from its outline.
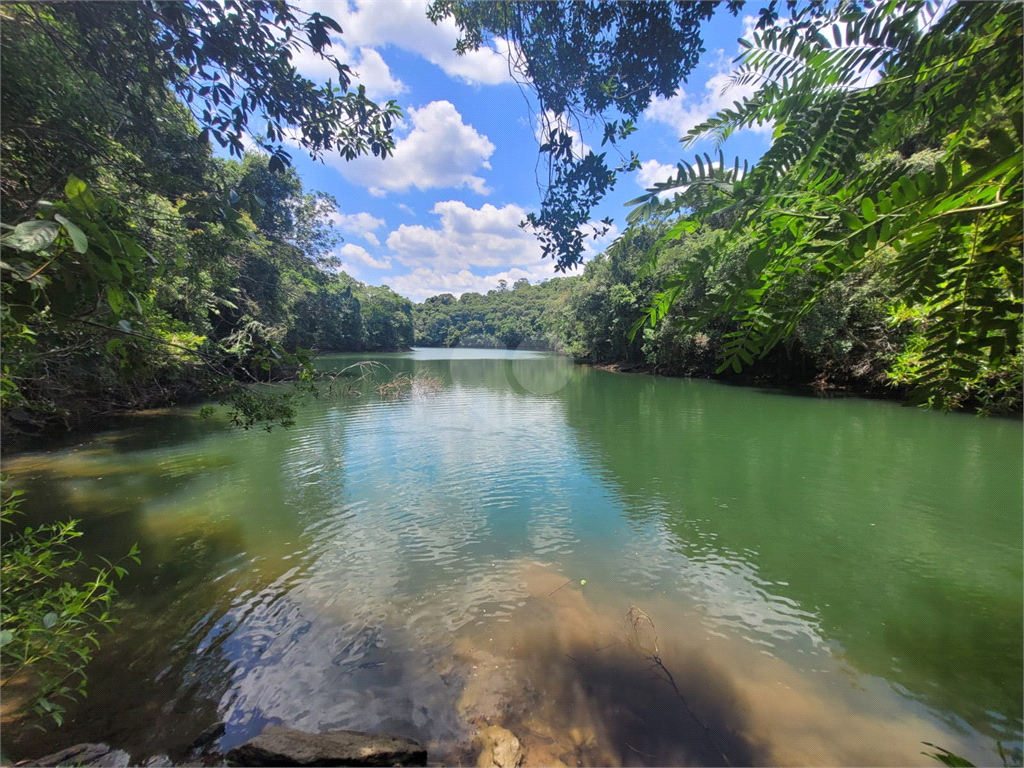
(369, 69)
(439, 151)
(350, 253)
(404, 24)
(373, 72)
(466, 237)
(683, 112)
(423, 282)
(471, 249)
(652, 172)
(362, 224)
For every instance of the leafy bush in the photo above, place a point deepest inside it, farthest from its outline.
(49, 626)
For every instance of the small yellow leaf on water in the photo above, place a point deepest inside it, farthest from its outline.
(582, 582)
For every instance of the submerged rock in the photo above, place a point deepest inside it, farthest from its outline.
(159, 761)
(204, 741)
(99, 755)
(498, 747)
(277, 745)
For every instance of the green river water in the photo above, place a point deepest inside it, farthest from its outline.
(831, 581)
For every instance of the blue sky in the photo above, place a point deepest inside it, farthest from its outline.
(442, 214)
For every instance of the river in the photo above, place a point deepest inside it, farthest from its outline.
(808, 580)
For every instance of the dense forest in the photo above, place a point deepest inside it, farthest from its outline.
(857, 335)
(142, 269)
(848, 340)
(878, 239)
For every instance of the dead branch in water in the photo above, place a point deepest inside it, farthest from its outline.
(558, 588)
(643, 638)
(366, 369)
(419, 384)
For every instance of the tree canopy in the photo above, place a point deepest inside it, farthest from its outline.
(136, 267)
(896, 160)
(891, 155)
(585, 60)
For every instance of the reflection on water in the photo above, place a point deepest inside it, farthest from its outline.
(832, 582)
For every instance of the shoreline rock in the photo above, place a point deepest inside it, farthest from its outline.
(98, 755)
(498, 747)
(278, 745)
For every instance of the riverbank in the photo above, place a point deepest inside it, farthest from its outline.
(819, 387)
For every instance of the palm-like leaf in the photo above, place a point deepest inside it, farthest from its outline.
(841, 91)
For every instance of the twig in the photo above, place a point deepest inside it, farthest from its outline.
(645, 754)
(564, 585)
(635, 618)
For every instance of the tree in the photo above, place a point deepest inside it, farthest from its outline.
(917, 176)
(228, 63)
(585, 59)
(906, 185)
(160, 269)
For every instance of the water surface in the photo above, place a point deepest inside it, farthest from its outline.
(827, 581)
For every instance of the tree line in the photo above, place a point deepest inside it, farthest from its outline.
(138, 268)
(880, 236)
(848, 340)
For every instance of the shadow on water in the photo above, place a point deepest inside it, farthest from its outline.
(622, 710)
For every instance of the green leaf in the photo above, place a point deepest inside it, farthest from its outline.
(31, 236)
(78, 238)
(74, 187)
(79, 194)
(6, 636)
(682, 226)
(50, 620)
(850, 221)
(115, 298)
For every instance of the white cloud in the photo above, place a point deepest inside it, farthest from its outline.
(467, 237)
(652, 172)
(362, 224)
(439, 151)
(469, 241)
(686, 111)
(423, 282)
(749, 22)
(349, 251)
(368, 69)
(682, 112)
(373, 72)
(404, 24)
